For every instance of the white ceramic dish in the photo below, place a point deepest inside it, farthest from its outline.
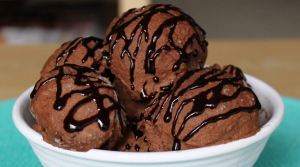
(243, 152)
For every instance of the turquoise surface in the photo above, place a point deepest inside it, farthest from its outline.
(14, 147)
(282, 149)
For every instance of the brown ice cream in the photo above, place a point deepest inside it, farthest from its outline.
(80, 51)
(147, 49)
(206, 107)
(150, 47)
(76, 109)
(151, 66)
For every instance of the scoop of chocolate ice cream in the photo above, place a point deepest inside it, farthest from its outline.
(76, 109)
(80, 51)
(150, 47)
(206, 107)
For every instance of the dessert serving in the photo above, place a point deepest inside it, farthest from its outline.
(205, 107)
(77, 109)
(144, 88)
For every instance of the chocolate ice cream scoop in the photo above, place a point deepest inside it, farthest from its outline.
(76, 109)
(80, 51)
(150, 47)
(206, 107)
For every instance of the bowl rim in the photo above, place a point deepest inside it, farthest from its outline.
(157, 157)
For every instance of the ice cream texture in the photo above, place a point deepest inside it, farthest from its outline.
(144, 88)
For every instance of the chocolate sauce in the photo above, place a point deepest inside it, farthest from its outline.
(144, 16)
(128, 146)
(155, 79)
(90, 93)
(137, 133)
(90, 52)
(167, 88)
(156, 102)
(108, 63)
(144, 96)
(176, 145)
(235, 71)
(108, 74)
(142, 116)
(199, 101)
(137, 147)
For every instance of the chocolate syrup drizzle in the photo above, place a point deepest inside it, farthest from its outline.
(144, 96)
(127, 146)
(235, 71)
(152, 52)
(137, 133)
(91, 94)
(199, 101)
(137, 147)
(90, 52)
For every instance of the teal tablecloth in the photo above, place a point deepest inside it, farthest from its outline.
(282, 149)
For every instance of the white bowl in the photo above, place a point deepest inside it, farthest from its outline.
(243, 152)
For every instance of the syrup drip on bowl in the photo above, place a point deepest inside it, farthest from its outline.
(199, 101)
(91, 94)
(144, 16)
